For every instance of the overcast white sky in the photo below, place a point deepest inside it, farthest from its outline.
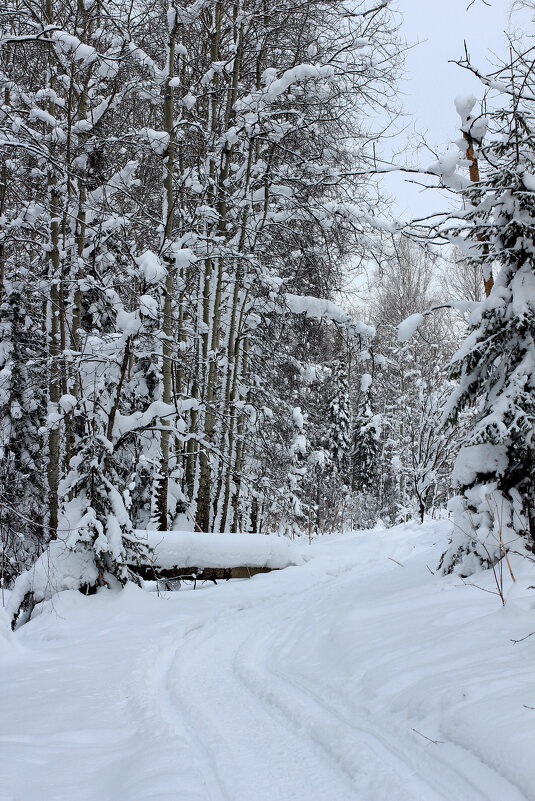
(432, 83)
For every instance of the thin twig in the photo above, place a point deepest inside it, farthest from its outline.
(436, 742)
(523, 638)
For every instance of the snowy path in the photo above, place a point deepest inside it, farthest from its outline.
(302, 685)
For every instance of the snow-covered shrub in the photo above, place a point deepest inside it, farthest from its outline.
(58, 568)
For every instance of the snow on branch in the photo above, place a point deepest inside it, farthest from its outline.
(119, 182)
(408, 327)
(316, 308)
(321, 309)
(125, 424)
(275, 87)
(475, 127)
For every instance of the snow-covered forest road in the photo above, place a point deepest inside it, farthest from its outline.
(359, 676)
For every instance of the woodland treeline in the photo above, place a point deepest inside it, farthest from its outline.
(171, 178)
(184, 190)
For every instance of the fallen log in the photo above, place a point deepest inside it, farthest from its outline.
(176, 556)
(152, 572)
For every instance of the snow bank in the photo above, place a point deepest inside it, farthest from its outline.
(191, 549)
(10, 647)
(6, 635)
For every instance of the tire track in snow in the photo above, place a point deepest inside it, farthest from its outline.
(366, 770)
(258, 756)
(374, 769)
(164, 719)
(448, 765)
(247, 704)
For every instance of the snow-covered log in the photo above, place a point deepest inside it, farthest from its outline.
(185, 549)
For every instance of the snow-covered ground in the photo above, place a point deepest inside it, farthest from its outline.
(356, 676)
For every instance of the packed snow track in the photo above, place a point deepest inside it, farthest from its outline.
(358, 676)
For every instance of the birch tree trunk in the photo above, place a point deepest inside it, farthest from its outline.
(167, 322)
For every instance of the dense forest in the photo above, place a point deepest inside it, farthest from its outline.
(210, 318)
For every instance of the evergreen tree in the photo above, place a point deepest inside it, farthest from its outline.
(366, 442)
(495, 469)
(339, 436)
(22, 408)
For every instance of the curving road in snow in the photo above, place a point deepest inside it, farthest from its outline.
(359, 676)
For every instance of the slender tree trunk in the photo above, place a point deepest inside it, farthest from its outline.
(211, 311)
(54, 308)
(54, 385)
(167, 323)
(488, 281)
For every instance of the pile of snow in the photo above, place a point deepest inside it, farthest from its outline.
(191, 549)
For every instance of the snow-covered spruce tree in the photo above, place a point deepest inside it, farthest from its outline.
(495, 469)
(340, 423)
(23, 533)
(366, 475)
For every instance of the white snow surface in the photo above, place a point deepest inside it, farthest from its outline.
(359, 675)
